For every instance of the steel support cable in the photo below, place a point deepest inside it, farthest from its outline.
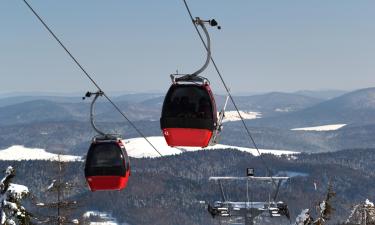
(89, 76)
(228, 91)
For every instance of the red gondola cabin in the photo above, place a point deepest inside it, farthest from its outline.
(107, 165)
(189, 115)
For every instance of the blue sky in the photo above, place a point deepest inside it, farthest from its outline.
(264, 45)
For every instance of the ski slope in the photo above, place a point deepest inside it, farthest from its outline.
(231, 116)
(139, 148)
(19, 153)
(329, 127)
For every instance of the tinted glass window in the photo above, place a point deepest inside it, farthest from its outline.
(188, 102)
(105, 155)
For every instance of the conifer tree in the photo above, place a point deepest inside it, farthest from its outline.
(58, 191)
(325, 211)
(11, 195)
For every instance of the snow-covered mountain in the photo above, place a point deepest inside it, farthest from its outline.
(139, 148)
(19, 153)
(357, 107)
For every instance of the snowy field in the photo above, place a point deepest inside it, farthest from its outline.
(231, 116)
(103, 217)
(19, 153)
(322, 128)
(136, 147)
(139, 148)
(291, 174)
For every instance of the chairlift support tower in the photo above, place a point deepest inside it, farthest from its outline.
(248, 210)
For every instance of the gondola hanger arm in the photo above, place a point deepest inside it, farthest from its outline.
(195, 76)
(201, 23)
(96, 96)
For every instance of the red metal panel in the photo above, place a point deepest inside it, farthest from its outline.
(107, 183)
(187, 137)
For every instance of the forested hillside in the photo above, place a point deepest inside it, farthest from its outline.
(168, 190)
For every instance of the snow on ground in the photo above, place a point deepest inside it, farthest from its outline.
(286, 109)
(139, 148)
(102, 217)
(231, 116)
(19, 153)
(303, 217)
(104, 223)
(368, 203)
(322, 128)
(18, 191)
(291, 174)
